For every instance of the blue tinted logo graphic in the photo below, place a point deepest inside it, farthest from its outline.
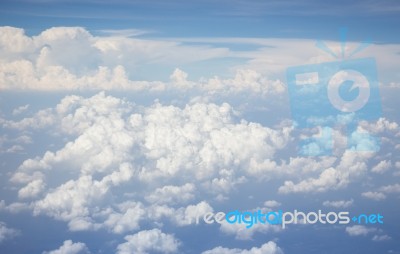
(335, 94)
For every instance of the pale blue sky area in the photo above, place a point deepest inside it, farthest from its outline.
(221, 18)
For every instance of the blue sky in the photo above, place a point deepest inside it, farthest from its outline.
(121, 121)
(300, 19)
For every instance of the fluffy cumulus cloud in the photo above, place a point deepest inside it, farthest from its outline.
(20, 109)
(347, 168)
(393, 188)
(380, 126)
(70, 247)
(374, 195)
(381, 167)
(165, 158)
(14, 145)
(382, 192)
(149, 241)
(359, 230)
(267, 248)
(71, 58)
(6, 232)
(327, 173)
(122, 167)
(271, 203)
(170, 194)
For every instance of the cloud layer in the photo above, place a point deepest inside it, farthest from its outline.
(267, 248)
(168, 157)
(70, 58)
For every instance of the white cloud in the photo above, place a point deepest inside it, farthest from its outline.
(6, 232)
(148, 241)
(53, 78)
(380, 194)
(397, 166)
(294, 166)
(189, 215)
(181, 216)
(20, 109)
(127, 219)
(70, 58)
(245, 80)
(377, 196)
(380, 126)
(271, 203)
(169, 158)
(179, 79)
(26, 177)
(116, 147)
(200, 145)
(172, 194)
(70, 247)
(14, 41)
(380, 238)
(15, 207)
(74, 200)
(241, 232)
(328, 178)
(71, 199)
(32, 189)
(267, 248)
(15, 149)
(359, 230)
(41, 119)
(382, 167)
(223, 184)
(394, 188)
(24, 139)
(351, 166)
(338, 203)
